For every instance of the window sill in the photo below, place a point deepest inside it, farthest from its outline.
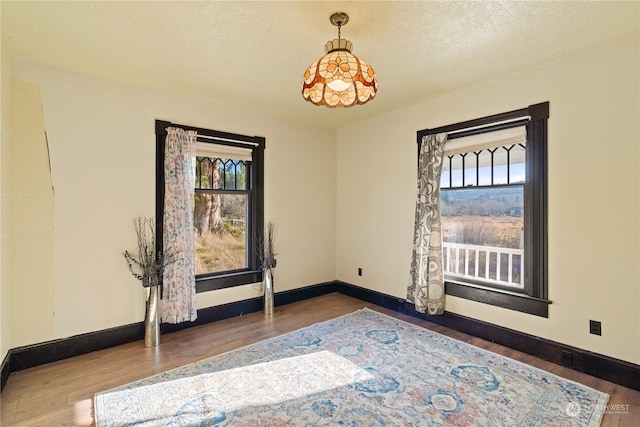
(222, 281)
(500, 298)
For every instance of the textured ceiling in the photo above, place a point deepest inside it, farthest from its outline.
(253, 54)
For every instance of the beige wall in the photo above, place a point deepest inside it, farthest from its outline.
(5, 105)
(352, 205)
(102, 147)
(31, 218)
(594, 268)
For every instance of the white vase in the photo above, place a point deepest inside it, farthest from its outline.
(151, 319)
(268, 291)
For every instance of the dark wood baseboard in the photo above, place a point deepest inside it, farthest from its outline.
(608, 368)
(30, 356)
(4, 370)
(234, 309)
(617, 371)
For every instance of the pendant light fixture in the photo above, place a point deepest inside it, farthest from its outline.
(339, 78)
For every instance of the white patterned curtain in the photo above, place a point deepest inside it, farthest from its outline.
(178, 284)
(426, 285)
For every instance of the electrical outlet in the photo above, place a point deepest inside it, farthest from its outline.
(595, 327)
(359, 272)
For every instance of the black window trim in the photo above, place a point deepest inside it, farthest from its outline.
(534, 299)
(226, 279)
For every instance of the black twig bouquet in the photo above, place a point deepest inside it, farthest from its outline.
(149, 264)
(266, 249)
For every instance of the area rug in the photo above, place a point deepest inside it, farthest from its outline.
(361, 369)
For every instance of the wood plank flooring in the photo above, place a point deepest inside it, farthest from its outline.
(61, 393)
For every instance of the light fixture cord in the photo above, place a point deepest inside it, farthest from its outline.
(339, 27)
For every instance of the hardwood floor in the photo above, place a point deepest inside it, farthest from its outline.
(61, 393)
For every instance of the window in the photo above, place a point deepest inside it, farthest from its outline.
(493, 207)
(228, 205)
(482, 208)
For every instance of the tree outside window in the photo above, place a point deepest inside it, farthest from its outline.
(228, 212)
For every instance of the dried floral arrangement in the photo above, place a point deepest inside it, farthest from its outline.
(266, 248)
(149, 265)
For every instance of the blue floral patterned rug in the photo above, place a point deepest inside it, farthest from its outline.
(361, 369)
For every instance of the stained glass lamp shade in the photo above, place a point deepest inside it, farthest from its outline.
(339, 78)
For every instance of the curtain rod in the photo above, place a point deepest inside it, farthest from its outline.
(229, 142)
(489, 128)
(490, 123)
(223, 137)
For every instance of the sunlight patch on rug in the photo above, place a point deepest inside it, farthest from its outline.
(364, 368)
(217, 393)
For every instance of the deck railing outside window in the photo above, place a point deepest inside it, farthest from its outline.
(501, 266)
